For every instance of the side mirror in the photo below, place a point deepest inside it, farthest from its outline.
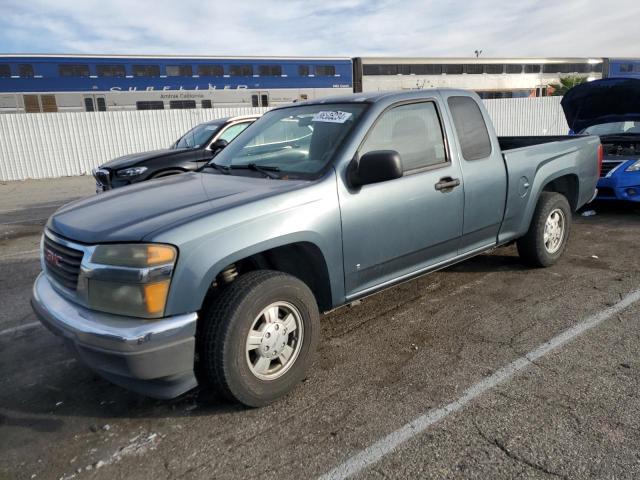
(374, 167)
(218, 145)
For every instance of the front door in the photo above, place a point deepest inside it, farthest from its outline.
(260, 99)
(396, 228)
(94, 103)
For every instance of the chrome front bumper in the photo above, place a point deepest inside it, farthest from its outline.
(151, 357)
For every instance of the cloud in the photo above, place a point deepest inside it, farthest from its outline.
(331, 27)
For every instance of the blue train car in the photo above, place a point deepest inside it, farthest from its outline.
(622, 67)
(49, 83)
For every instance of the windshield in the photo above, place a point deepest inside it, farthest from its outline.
(197, 136)
(614, 128)
(297, 141)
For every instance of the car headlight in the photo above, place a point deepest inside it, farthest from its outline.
(130, 279)
(634, 167)
(131, 172)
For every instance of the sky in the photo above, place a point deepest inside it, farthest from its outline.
(500, 28)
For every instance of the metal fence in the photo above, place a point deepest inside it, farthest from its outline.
(48, 145)
(528, 116)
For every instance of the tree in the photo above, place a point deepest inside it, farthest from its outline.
(566, 84)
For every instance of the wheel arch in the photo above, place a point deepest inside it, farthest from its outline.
(567, 185)
(301, 258)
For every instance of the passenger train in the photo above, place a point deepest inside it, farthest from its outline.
(56, 83)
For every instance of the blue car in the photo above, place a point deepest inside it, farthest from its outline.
(610, 108)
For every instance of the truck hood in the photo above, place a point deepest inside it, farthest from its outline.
(135, 158)
(602, 101)
(132, 213)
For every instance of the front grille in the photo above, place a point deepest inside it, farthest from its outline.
(62, 263)
(609, 165)
(103, 179)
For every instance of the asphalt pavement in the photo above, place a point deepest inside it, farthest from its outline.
(485, 370)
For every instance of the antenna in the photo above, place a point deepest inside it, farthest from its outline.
(478, 53)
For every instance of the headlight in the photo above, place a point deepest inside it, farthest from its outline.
(131, 172)
(130, 279)
(134, 254)
(634, 167)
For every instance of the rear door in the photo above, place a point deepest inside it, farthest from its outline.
(396, 228)
(483, 168)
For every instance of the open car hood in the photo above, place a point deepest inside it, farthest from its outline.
(602, 101)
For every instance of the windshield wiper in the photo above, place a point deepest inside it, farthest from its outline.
(266, 170)
(221, 168)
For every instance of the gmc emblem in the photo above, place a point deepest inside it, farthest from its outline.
(52, 257)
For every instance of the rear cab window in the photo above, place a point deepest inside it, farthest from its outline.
(473, 137)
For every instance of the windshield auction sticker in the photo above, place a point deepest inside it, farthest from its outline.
(332, 117)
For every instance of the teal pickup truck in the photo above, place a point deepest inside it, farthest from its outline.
(218, 277)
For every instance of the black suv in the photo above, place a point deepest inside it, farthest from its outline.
(191, 151)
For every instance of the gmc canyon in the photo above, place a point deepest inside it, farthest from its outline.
(218, 277)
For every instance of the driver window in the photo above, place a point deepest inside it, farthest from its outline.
(233, 131)
(413, 131)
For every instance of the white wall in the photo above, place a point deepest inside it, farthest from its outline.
(528, 116)
(47, 145)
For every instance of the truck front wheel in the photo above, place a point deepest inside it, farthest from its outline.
(258, 337)
(548, 232)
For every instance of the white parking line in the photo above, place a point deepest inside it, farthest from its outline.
(19, 328)
(388, 444)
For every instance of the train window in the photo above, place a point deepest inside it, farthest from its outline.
(152, 105)
(425, 69)
(240, 70)
(514, 68)
(380, 69)
(474, 68)
(303, 70)
(453, 69)
(626, 68)
(325, 70)
(206, 104)
(181, 104)
(31, 104)
(146, 71)
(254, 101)
(110, 70)
(597, 67)
(25, 70)
(270, 70)
(73, 70)
(88, 104)
(179, 70)
(48, 103)
(102, 105)
(494, 68)
(565, 68)
(264, 99)
(530, 68)
(471, 127)
(5, 70)
(210, 70)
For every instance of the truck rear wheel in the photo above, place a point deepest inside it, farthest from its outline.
(258, 337)
(548, 233)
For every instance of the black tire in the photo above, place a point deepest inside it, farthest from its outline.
(226, 324)
(531, 247)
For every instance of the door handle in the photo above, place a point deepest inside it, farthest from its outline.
(447, 183)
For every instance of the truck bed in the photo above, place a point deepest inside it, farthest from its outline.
(511, 143)
(530, 161)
